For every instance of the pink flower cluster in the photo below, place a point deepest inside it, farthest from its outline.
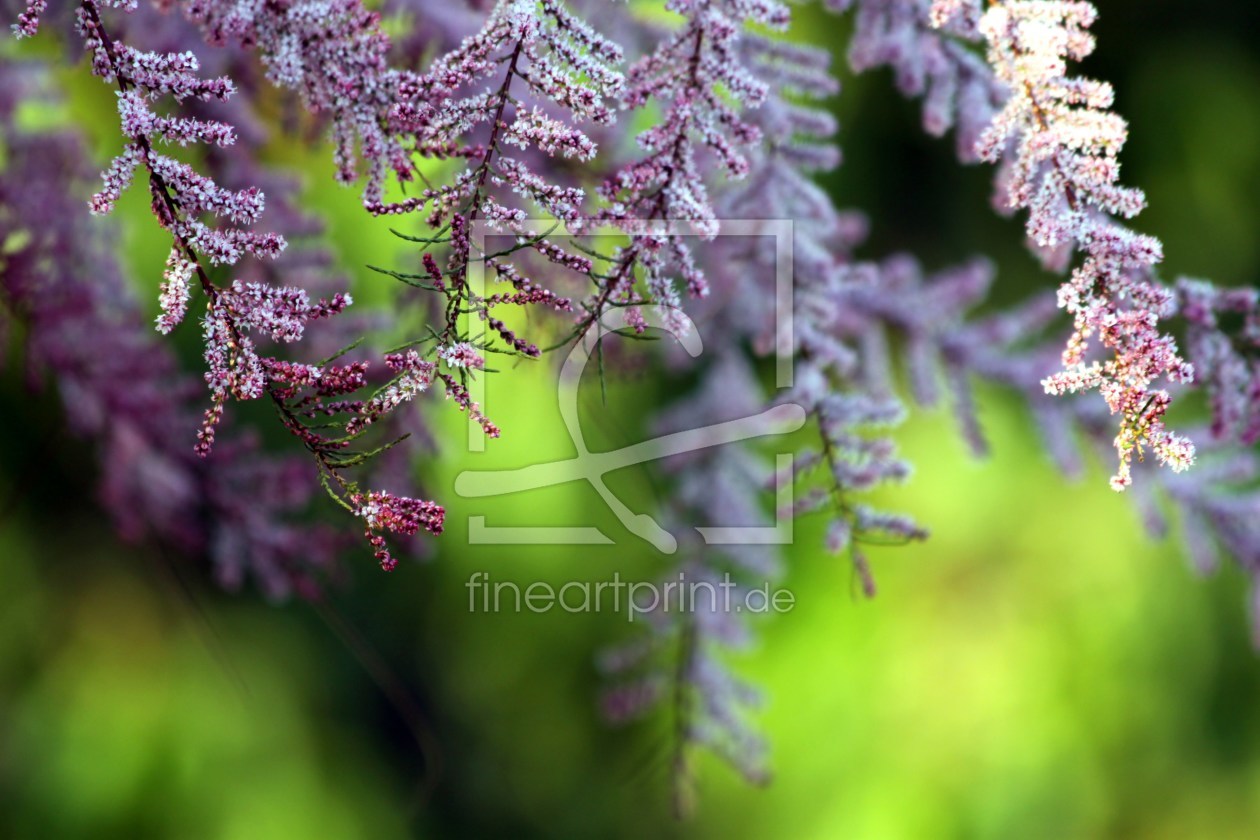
(334, 54)
(546, 71)
(1064, 172)
(28, 21)
(181, 197)
(1226, 362)
(180, 194)
(175, 291)
(123, 391)
(697, 76)
(386, 512)
(526, 47)
(412, 377)
(926, 45)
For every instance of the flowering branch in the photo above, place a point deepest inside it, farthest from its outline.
(123, 390)
(235, 369)
(545, 59)
(334, 55)
(696, 76)
(1065, 173)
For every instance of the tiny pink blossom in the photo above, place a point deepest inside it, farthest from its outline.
(462, 355)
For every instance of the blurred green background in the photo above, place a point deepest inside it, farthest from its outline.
(1039, 668)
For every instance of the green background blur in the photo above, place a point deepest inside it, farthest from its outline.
(1037, 669)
